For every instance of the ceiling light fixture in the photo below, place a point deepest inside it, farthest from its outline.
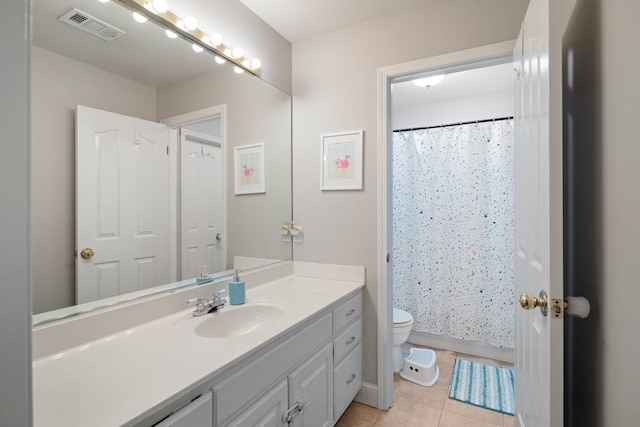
(170, 34)
(196, 48)
(429, 81)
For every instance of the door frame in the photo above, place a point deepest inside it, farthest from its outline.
(498, 53)
(174, 123)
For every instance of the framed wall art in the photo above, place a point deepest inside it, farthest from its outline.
(249, 169)
(341, 161)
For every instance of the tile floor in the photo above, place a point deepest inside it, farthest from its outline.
(418, 406)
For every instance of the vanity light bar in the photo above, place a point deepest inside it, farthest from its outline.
(172, 22)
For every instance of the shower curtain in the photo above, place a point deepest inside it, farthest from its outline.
(453, 224)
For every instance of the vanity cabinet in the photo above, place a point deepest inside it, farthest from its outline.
(306, 380)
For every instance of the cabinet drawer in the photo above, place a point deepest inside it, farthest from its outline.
(347, 341)
(195, 414)
(347, 381)
(250, 381)
(347, 312)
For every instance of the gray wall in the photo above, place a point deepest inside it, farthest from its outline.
(58, 85)
(256, 112)
(619, 39)
(334, 88)
(15, 303)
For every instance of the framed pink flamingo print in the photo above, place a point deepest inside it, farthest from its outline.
(341, 165)
(249, 170)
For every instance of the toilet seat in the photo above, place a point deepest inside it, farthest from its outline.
(401, 317)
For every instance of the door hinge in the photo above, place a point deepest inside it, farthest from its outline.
(388, 258)
(167, 150)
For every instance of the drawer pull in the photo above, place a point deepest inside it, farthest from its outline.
(350, 380)
(352, 339)
(350, 312)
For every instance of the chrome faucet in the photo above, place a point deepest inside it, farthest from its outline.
(205, 306)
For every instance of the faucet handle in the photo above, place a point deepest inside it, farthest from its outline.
(197, 300)
(201, 306)
(218, 293)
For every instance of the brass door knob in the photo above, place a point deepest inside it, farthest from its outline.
(529, 302)
(87, 253)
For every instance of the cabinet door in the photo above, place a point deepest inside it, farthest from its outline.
(267, 411)
(198, 413)
(312, 384)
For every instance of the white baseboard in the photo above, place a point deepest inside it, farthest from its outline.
(474, 348)
(368, 395)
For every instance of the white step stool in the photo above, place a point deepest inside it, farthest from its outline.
(420, 367)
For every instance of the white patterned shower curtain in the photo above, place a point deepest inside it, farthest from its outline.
(453, 224)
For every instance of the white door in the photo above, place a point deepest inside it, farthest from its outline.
(201, 204)
(122, 204)
(538, 165)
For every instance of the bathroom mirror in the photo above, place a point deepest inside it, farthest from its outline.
(143, 74)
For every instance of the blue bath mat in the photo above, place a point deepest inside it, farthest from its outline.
(482, 385)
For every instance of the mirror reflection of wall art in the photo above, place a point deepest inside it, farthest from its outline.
(249, 173)
(342, 161)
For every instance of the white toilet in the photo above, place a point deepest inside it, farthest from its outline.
(402, 324)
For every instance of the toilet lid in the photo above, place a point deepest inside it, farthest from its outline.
(401, 316)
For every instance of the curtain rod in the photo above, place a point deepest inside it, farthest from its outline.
(455, 124)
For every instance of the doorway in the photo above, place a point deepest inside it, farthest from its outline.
(198, 192)
(446, 64)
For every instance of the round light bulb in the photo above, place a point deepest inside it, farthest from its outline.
(429, 81)
(220, 60)
(216, 39)
(255, 63)
(196, 48)
(160, 6)
(139, 18)
(170, 34)
(238, 70)
(191, 23)
(237, 52)
(103, 1)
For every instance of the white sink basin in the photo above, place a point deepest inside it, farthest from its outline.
(233, 321)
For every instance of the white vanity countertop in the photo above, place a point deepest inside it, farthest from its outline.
(121, 379)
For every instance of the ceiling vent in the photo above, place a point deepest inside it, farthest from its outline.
(91, 25)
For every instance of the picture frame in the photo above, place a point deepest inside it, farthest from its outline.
(341, 161)
(249, 169)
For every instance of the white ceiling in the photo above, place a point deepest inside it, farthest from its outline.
(466, 84)
(298, 19)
